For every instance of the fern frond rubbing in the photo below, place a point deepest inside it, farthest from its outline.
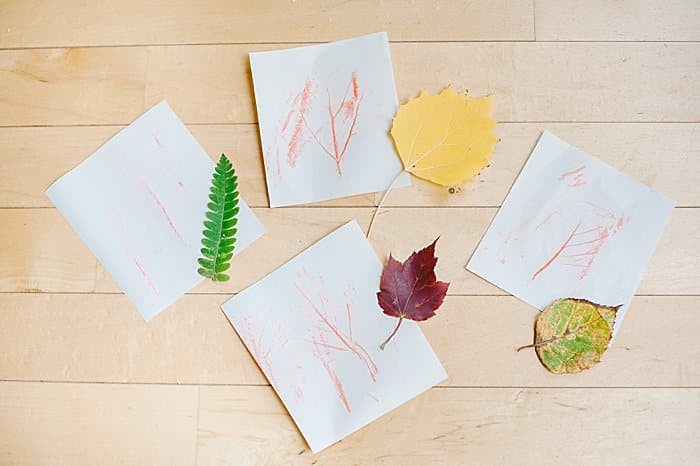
(221, 218)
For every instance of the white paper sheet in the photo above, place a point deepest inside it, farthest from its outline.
(138, 203)
(314, 328)
(325, 112)
(571, 226)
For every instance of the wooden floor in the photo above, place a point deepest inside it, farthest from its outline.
(85, 381)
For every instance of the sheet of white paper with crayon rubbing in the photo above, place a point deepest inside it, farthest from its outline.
(324, 113)
(571, 226)
(314, 327)
(138, 203)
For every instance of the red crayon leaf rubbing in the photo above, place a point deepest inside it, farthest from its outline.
(411, 290)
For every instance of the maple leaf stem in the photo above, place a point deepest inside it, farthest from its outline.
(381, 201)
(396, 329)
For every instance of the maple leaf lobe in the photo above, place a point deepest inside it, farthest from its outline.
(411, 290)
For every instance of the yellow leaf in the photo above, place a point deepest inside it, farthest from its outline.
(445, 138)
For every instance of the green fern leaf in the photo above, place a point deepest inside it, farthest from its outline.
(219, 234)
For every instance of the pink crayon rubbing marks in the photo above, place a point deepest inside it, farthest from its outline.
(327, 338)
(145, 276)
(161, 149)
(160, 204)
(557, 253)
(118, 226)
(301, 102)
(160, 145)
(297, 383)
(591, 228)
(290, 136)
(547, 219)
(322, 353)
(512, 237)
(259, 349)
(274, 148)
(152, 194)
(340, 121)
(156, 139)
(298, 395)
(574, 178)
(584, 243)
(342, 125)
(263, 346)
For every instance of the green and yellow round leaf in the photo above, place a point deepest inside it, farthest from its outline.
(572, 334)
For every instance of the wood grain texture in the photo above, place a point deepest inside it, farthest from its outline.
(39, 251)
(101, 338)
(72, 73)
(672, 269)
(71, 86)
(639, 20)
(68, 424)
(33, 23)
(586, 82)
(467, 426)
(662, 163)
(211, 84)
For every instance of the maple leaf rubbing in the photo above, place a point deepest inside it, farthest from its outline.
(410, 290)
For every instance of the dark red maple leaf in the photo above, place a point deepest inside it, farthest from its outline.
(411, 290)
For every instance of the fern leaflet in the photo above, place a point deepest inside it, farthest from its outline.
(219, 235)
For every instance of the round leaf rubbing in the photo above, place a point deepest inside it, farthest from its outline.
(572, 334)
(445, 138)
